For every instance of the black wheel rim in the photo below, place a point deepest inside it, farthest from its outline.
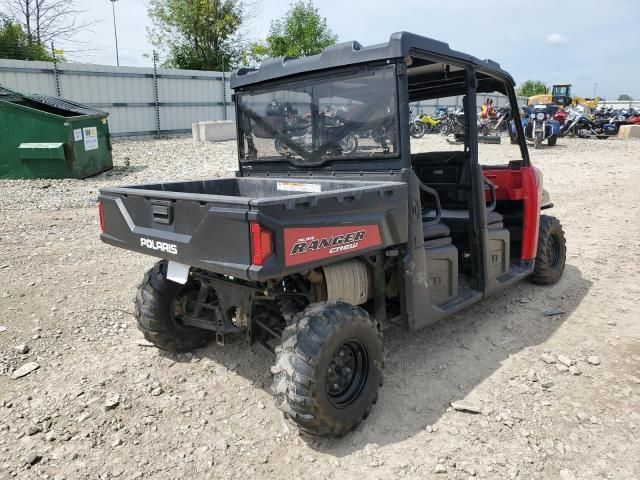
(347, 373)
(553, 250)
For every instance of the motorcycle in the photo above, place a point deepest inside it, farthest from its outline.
(417, 128)
(432, 124)
(440, 112)
(578, 125)
(539, 125)
(498, 125)
(453, 122)
(634, 117)
(560, 116)
(298, 130)
(383, 136)
(611, 125)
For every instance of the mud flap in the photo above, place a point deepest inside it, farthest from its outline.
(178, 272)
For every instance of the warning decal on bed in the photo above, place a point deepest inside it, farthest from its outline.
(298, 187)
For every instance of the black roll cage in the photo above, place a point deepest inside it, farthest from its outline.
(443, 72)
(468, 76)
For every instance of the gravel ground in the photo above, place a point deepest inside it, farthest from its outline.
(553, 371)
(135, 161)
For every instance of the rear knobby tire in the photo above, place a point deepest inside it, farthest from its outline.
(311, 374)
(552, 252)
(154, 312)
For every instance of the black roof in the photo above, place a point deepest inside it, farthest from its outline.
(400, 44)
(5, 92)
(67, 105)
(55, 102)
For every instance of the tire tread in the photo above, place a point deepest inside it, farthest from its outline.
(542, 273)
(152, 312)
(303, 345)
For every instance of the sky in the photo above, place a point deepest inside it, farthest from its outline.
(583, 43)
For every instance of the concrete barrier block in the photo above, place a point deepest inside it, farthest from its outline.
(214, 131)
(195, 131)
(629, 131)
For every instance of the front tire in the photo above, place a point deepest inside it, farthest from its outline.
(537, 140)
(417, 129)
(349, 144)
(552, 252)
(553, 140)
(157, 306)
(328, 368)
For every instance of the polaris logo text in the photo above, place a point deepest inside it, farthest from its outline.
(159, 246)
(335, 244)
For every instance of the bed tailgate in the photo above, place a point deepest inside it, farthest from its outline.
(212, 234)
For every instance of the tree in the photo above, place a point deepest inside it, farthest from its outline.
(625, 97)
(300, 33)
(46, 20)
(532, 87)
(15, 44)
(198, 34)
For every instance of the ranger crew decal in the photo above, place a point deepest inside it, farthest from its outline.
(304, 245)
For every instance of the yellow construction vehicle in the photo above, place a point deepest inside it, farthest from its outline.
(561, 95)
(587, 102)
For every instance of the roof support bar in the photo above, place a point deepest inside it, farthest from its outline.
(476, 205)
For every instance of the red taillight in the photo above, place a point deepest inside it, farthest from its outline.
(261, 244)
(101, 214)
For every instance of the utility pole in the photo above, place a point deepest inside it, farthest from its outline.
(115, 30)
(595, 86)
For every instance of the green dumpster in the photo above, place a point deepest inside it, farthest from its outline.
(47, 137)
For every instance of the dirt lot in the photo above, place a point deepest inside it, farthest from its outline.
(102, 406)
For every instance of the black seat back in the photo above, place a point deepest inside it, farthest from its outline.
(447, 173)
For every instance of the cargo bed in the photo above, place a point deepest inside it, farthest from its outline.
(208, 224)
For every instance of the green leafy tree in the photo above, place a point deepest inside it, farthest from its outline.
(197, 34)
(625, 97)
(532, 87)
(300, 33)
(16, 44)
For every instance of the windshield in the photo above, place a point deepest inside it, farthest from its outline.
(314, 121)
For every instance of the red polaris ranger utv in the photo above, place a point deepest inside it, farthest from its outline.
(335, 225)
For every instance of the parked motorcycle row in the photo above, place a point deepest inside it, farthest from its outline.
(601, 123)
(445, 120)
(542, 123)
